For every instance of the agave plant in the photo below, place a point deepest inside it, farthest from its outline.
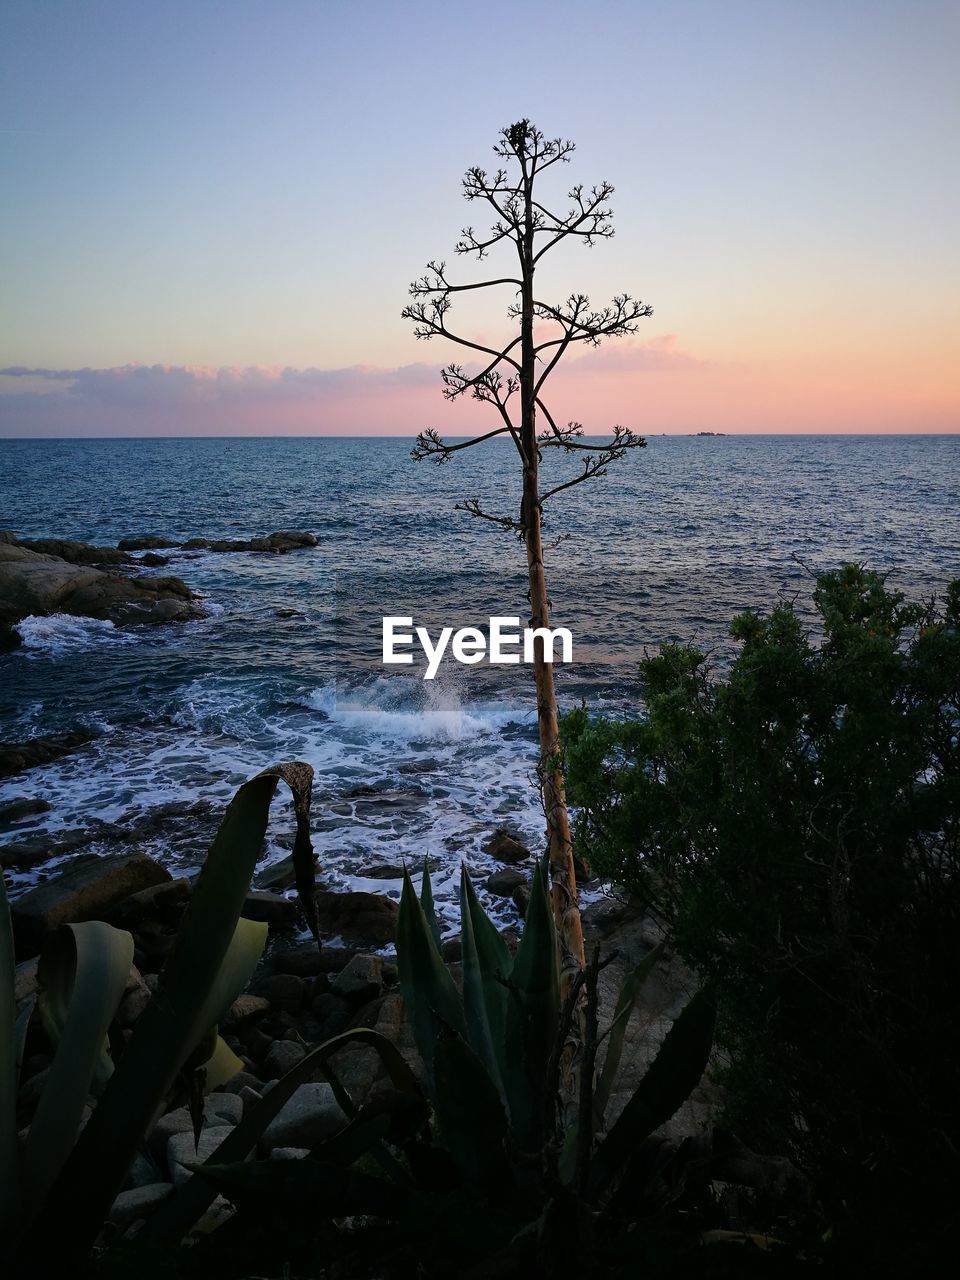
(56, 1192)
(492, 1053)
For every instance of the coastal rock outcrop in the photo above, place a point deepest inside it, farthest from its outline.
(33, 582)
(279, 542)
(17, 756)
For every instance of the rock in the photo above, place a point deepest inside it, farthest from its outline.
(133, 1005)
(28, 853)
(169, 1124)
(142, 1172)
(81, 553)
(138, 1202)
(360, 981)
(148, 542)
(308, 961)
(289, 1153)
(182, 1151)
(309, 1115)
(278, 875)
(16, 810)
(384, 871)
(246, 1009)
(154, 561)
(270, 908)
(285, 991)
(222, 1108)
(332, 1013)
(17, 756)
(281, 1057)
(503, 883)
(506, 847)
(25, 979)
(87, 890)
(279, 542)
(521, 899)
(32, 583)
(156, 900)
(367, 918)
(451, 949)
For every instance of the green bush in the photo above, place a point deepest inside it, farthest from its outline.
(796, 824)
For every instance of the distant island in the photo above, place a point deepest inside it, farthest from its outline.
(709, 433)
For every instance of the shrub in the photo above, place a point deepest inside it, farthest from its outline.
(796, 823)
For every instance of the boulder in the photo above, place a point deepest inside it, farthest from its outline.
(285, 991)
(33, 583)
(183, 1150)
(17, 756)
(270, 908)
(367, 918)
(149, 542)
(138, 1202)
(246, 1009)
(16, 810)
(308, 961)
(81, 553)
(309, 1115)
(278, 543)
(282, 1056)
(504, 882)
(165, 898)
(87, 890)
(505, 846)
(360, 981)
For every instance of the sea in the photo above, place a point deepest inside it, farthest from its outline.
(286, 664)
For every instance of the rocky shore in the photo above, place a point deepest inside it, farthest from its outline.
(42, 576)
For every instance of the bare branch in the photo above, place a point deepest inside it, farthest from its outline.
(623, 439)
(428, 320)
(430, 444)
(472, 505)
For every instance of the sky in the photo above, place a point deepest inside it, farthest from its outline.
(212, 212)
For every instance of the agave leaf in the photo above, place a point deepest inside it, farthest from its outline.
(299, 778)
(169, 1028)
(82, 974)
(496, 965)
(476, 980)
(533, 1016)
(177, 1214)
(426, 902)
(293, 1186)
(361, 1135)
(629, 992)
(222, 1065)
(9, 1073)
(20, 1033)
(431, 999)
(672, 1076)
(471, 1117)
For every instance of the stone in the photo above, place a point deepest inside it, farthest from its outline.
(35, 583)
(308, 961)
(282, 1056)
(505, 846)
(308, 1116)
(25, 979)
(502, 883)
(182, 1151)
(279, 542)
(289, 1153)
(16, 810)
(332, 1013)
(521, 899)
(158, 899)
(138, 1202)
(285, 991)
(360, 981)
(246, 1009)
(225, 1108)
(132, 1005)
(147, 542)
(451, 949)
(169, 1124)
(85, 890)
(17, 756)
(142, 1172)
(81, 553)
(384, 871)
(270, 908)
(367, 918)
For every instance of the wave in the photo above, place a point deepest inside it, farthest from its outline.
(61, 633)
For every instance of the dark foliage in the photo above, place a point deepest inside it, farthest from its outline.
(798, 825)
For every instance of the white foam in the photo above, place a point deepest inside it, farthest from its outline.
(61, 633)
(422, 712)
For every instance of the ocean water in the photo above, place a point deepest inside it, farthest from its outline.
(286, 664)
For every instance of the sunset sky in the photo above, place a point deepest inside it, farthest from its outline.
(212, 211)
